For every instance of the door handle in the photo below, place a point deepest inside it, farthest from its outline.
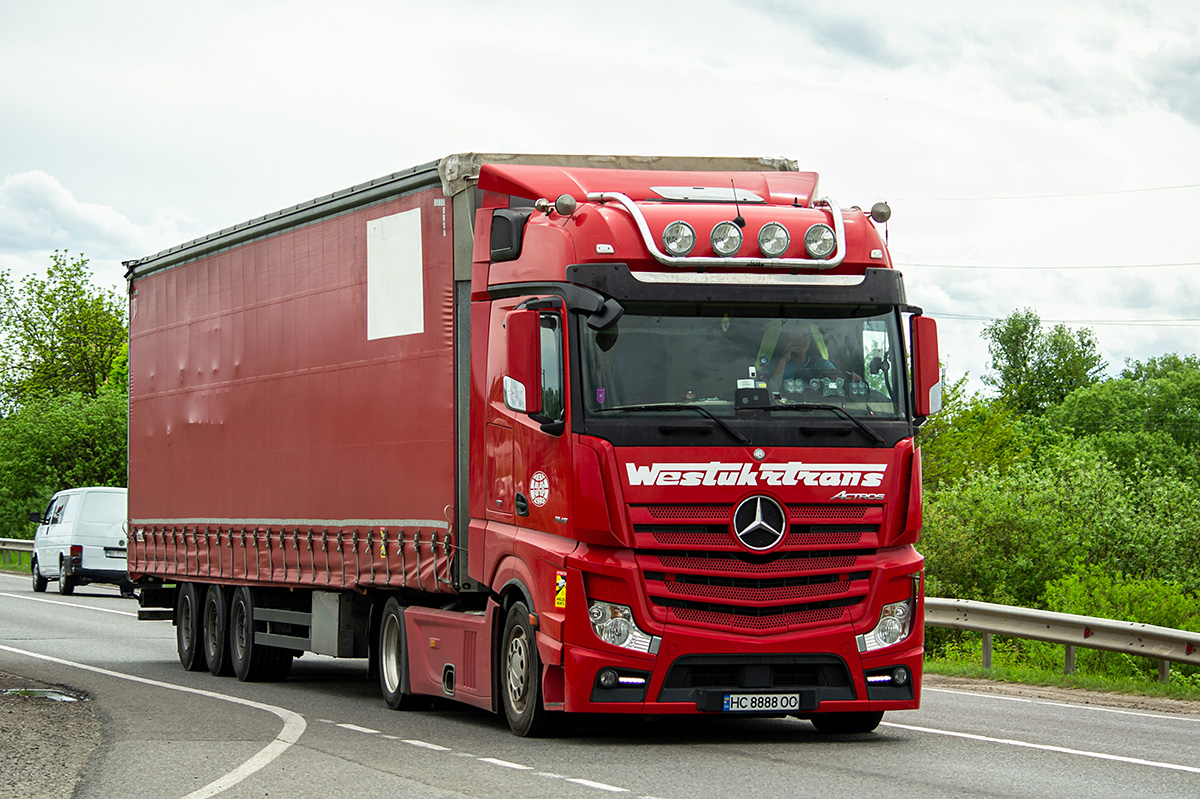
(522, 504)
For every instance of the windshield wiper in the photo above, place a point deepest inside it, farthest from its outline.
(684, 407)
(815, 406)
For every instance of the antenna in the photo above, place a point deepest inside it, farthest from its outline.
(737, 220)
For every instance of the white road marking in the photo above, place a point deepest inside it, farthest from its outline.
(68, 604)
(293, 723)
(425, 745)
(497, 762)
(600, 785)
(1137, 761)
(356, 728)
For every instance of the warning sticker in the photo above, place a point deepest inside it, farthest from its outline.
(560, 590)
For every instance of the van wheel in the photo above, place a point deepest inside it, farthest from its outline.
(39, 582)
(393, 658)
(189, 628)
(521, 676)
(216, 632)
(66, 583)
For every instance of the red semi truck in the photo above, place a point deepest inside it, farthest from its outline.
(545, 435)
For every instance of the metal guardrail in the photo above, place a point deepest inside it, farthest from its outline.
(1145, 640)
(12, 551)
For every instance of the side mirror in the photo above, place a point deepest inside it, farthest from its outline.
(523, 375)
(926, 369)
(36, 518)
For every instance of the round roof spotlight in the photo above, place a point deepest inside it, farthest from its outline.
(881, 212)
(679, 238)
(819, 241)
(565, 204)
(773, 240)
(726, 239)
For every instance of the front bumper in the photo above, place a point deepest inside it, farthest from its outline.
(826, 672)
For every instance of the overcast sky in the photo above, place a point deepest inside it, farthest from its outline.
(1035, 154)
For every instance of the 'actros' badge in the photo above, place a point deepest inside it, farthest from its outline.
(759, 522)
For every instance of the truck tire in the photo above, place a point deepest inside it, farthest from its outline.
(393, 658)
(251, 661)
(846, 723)
(66, 583)
(39, 582)
(521, 676)
(189, 628)
(216, 632)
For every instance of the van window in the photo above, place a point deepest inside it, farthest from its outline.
(103, 507)
(58, 509)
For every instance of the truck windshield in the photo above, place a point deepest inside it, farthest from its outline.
(719, 360)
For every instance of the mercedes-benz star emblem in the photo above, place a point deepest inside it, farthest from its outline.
(759, 522)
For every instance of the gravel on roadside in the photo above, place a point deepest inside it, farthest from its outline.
(44, 743)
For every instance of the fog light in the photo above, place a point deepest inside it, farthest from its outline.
(900, 676)
(608, 678)
(726, 238)
(819, 241)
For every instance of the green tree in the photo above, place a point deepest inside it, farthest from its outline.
(61, 334)
(52, 443)
(970, 434)
(1035, 368)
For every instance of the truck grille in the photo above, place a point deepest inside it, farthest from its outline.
(696, 572)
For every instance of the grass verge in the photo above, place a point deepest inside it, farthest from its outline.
(1180, 687)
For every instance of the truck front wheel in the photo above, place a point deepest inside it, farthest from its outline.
(521, 676)
(393, 658)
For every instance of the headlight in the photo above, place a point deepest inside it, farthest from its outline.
(726, 238)
(614, 625)
(819, 241)
(895, 623)
(679, 238)
(773, 240)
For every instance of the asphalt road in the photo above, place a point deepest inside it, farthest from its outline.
(325, 732)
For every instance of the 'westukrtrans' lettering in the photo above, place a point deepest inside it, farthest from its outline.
(716, 473)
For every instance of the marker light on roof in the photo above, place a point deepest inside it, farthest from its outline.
(726, 239)
(773, 240)
(819, 241)
(679, 238)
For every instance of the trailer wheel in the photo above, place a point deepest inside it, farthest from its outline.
(251, 661)
(393, 658)
(66, 583)
(521, 678)
(849, 723)
(189, 631)
(216, 632)
(39, 582)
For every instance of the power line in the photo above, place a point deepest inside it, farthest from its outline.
(1051, 196)
(1097, 322)
(1014, 266)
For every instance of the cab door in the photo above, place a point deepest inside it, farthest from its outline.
(542, 455)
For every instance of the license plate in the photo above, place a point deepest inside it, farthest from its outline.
(760, 703)
(109, 552)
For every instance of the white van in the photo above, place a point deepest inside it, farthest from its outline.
(81, 539)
